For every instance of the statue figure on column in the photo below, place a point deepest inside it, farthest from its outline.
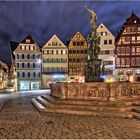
(93, 40)
(93, 18)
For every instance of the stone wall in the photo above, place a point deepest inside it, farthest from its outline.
(96, 91)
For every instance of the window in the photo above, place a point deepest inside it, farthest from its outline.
(127, 61)
(133, 50)
(50, 52)
(23, 74)
(66, 52)
(127, 39)
(17, 56)
(107, 62)
(132, 61)
(138, 49)
(82, 43)
(18, 74)
(118, 62)
(28, 56)
(34, 74)
(33, 56)
(27, 47)
(17, 65)
(61, 51)
(33, 65)
(133, 38)
(128, 72)
(122, 61)
(74, 43)
(137, 72)
(78, 43)
(107, 51)
(56, 51)
(32, 47)
(105, 41)
(120, 72)
(28, 65)
(22, 65)
(28, 74)
(110, 41)
(127, 50)
(22, 56)
(104, 33)
(74, 51)
(138, 61)
(28, 40)
(138, 38)
(122, 50)
(23, 47)
(54, 43)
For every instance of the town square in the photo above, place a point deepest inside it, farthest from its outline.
(70, 73)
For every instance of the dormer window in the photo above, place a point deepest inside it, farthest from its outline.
(28, 40)
(54, 43)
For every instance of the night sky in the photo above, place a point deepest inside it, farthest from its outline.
(42, 19)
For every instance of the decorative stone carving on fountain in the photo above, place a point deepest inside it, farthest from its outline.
(95, 91)
(124, 90)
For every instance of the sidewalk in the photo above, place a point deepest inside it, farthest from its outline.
(6, 90)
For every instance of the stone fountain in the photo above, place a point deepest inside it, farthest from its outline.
(93, 70)
(93, 97)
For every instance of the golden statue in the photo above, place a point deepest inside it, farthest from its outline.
(93, 17)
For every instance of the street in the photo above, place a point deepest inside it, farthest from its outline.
(19, 119)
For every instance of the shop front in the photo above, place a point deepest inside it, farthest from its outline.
(29, 85)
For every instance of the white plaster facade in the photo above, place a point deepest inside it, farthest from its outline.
(107, 52)
(27, 65)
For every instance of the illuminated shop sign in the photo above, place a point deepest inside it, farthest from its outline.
(58, 76)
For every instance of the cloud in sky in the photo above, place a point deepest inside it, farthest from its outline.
(42, 19)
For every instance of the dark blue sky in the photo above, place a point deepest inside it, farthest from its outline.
(42, 19)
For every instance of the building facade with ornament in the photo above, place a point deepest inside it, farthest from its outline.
(77, 57)
(127, 46)
(54, 62)
(27, 65)
(107, 55)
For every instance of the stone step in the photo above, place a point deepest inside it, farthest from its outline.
(136, 115)
(85, 102)
(96, 108)
(38, 105)
(93, 113)
(136, 109)
(45, 106)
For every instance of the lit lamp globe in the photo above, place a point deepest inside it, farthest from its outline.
(38, 61)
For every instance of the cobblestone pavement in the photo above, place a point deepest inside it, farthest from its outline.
(19, 119)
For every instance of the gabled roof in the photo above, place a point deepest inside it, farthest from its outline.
(104, 28)
(30, 38)
(76, 34)
(129, 21)
(54, 37)
(13, 46)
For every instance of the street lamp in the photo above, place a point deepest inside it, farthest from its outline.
(38, 61)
